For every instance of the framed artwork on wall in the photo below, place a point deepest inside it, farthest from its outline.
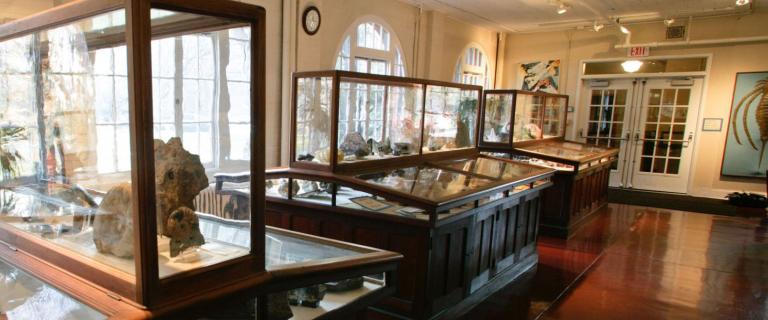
(745, 154)
(539, 76)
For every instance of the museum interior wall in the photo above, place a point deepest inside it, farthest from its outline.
(433, 51)
(430, 53)
(727, 59)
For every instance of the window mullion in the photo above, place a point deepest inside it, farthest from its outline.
(178, 88)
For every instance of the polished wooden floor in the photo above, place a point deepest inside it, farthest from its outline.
(635, 262)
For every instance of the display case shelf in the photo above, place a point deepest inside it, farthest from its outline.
(530, 127)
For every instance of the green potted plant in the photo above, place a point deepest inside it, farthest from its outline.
(9, 156)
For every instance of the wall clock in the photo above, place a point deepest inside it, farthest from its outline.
(311, 20)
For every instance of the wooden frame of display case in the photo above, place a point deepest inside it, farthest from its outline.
(119, 294)
(576, 193)
(461, 248)
(147, 289)
(451, 260)
(336, 76)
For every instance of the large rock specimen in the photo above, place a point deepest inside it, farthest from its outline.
(355, 144)
(113, 225)
(307, 296)
(179, 178)
(184, 229)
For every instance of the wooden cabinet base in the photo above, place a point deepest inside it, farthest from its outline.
(448, 266)
(573, 199)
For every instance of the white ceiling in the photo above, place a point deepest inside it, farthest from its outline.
(541, 15)
(14, 9)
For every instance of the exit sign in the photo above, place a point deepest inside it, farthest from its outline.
(639, 51)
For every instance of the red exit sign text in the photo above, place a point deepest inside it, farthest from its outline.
(639, 51)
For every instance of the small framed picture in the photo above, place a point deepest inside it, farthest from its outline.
(712, 124)
(370, 203)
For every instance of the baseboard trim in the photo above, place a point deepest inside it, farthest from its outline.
(678, 202)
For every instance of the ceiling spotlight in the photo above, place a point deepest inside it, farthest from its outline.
(624, 29)
(669, 21)
(742, 2)
(597, 27)
(562, 8)
(631, 66)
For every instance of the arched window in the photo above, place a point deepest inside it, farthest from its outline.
(472, 68)
(370, 47)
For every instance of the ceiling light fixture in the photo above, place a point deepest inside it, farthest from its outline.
(562, 8)
(742, 2)
(669, 21)
(624, 29)
(631, 66)
(597, 27)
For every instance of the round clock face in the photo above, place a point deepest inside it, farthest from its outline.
(311, 20)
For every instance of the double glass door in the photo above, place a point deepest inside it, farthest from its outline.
(652, 122)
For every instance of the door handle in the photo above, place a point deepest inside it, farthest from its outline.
(690, 140)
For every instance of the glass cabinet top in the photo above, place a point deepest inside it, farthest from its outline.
(426, 182)
(281, 247)
(23, 296)
(493, 168)
(444, 180)
(568, 150)
(379, 117)
(523, 115)
(285, 249)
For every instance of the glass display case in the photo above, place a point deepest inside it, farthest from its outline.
(537, 121)
(115, 118)
(392, 163)
(428, 192)
(521, 115)
(453, 205)
(346, 120)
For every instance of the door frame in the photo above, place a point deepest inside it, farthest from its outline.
(582, 79)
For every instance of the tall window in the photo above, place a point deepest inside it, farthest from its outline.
(202, 97)
(472, 68)
(369, 47)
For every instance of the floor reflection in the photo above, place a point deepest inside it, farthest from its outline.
(636, 261)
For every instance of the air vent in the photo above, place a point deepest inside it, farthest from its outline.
(675, 32)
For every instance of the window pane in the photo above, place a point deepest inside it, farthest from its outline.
(240, 100)
(241, 149)
(191, 102)
(106, 145)
(163, 100)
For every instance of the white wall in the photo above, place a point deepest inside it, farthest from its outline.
(573, 46)
(14, 9)
(432, 42)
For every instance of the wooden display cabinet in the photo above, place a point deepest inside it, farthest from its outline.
(530, 126)
(111, 138)
(406, 176)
